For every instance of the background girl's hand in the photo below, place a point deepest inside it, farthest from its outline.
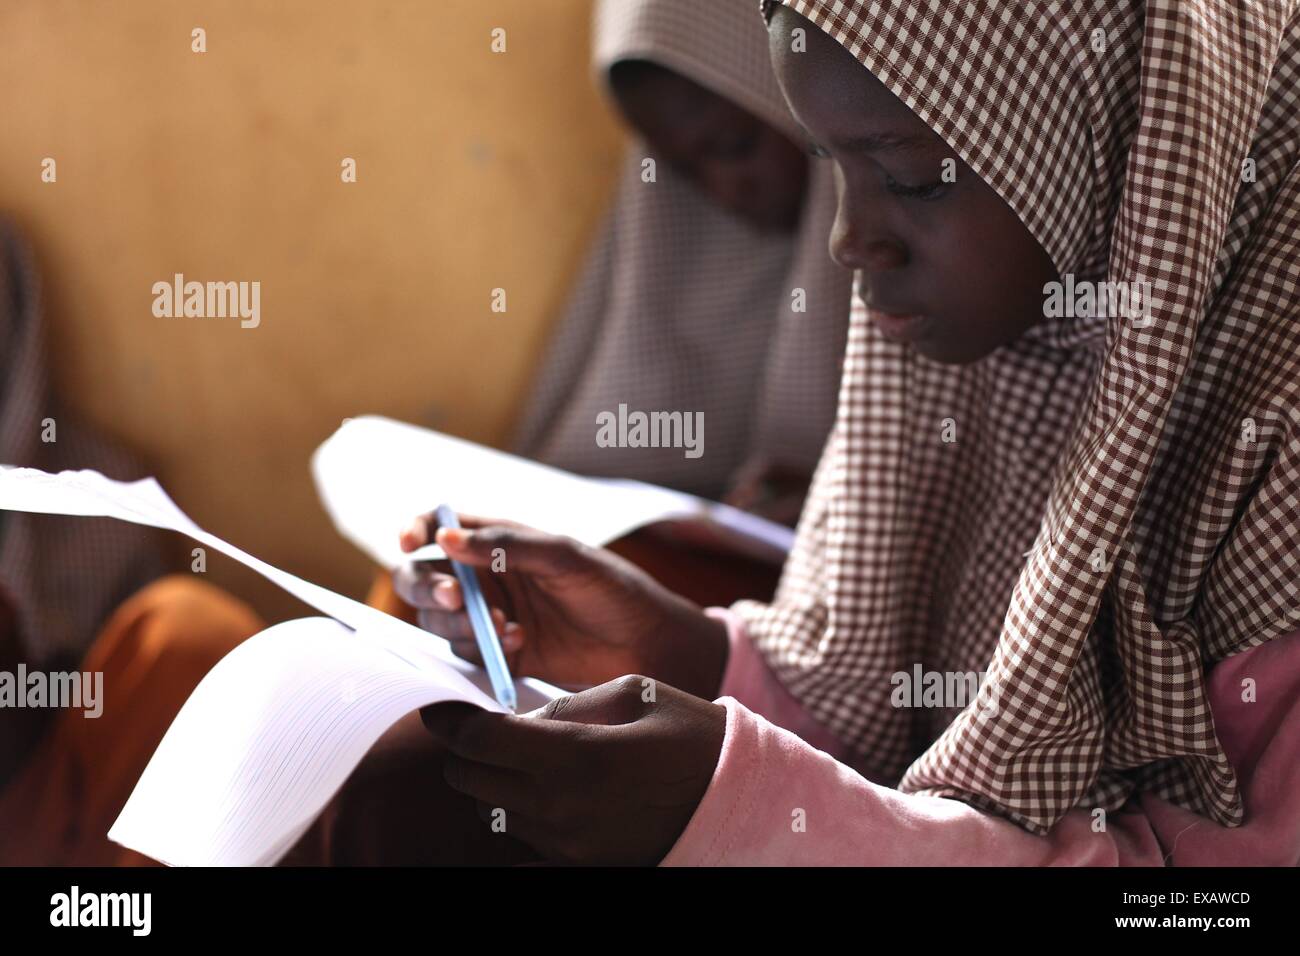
(609, 776)
(565, 612)
(770, 490)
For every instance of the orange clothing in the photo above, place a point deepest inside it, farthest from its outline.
(153, 651)
(382, 597)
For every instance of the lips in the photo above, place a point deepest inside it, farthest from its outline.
(897, 324)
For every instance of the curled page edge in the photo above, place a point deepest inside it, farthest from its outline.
(88, 493)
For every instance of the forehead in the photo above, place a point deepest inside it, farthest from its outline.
(666, 96)
(837, 99)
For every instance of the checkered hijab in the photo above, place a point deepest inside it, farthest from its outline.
(1121, 506)
(682, 306)
(62, 576)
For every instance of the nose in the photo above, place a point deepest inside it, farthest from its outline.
(861, 240)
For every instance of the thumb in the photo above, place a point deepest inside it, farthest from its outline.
(618, 701)
(444, 719)
(507, 548)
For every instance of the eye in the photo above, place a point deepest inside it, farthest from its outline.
(735, 147)
(924, 192)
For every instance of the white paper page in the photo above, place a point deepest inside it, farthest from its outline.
(374, 475)
(266, 739)
(144, 502)
(766, 534)
(276, 727)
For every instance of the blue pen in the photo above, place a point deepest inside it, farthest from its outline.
(480, 619)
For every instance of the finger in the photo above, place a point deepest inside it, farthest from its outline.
(503, 740)
(442, 720)
(513, 637)
(620, 701)
(555, 737)
(424, 587)
(421, 530)
(481, 521)
(456, 628)
(507, 632)
(514, 548)
(464, 643)
(497, 787)
(437, 589)
(523, 828)
(553, 841)
(467, 650)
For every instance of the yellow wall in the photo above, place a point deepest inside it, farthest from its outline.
(476, 170)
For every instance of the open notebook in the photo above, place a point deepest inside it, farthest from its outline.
(375, 475)
(274, 730)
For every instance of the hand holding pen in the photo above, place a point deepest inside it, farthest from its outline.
(485, 632)
(567, 613)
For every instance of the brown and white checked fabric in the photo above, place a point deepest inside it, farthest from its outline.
(1085, 438)
(63, 576)
(681, 306)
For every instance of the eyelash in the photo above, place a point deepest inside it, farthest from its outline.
(924, 193)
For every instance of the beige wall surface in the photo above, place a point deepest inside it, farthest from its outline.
(476, 170)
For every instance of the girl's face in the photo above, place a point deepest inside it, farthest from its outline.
(945, 266)
(739, 161)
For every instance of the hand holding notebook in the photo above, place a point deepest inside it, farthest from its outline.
(274, 730)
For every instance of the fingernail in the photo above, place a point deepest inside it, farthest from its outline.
(412, 533)
(444, 592)
(511, 637)
(451, 537)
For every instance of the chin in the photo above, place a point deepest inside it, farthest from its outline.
(949, 353)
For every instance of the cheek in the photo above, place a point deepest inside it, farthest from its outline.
(993, 268)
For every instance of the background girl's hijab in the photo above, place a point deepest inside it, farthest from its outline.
(1133, 489)
(681, 306)
(63, 577)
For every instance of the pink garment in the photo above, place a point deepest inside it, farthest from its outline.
(771, 776)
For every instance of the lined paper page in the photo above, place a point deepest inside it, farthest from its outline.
(274, 730)
(268, 737)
